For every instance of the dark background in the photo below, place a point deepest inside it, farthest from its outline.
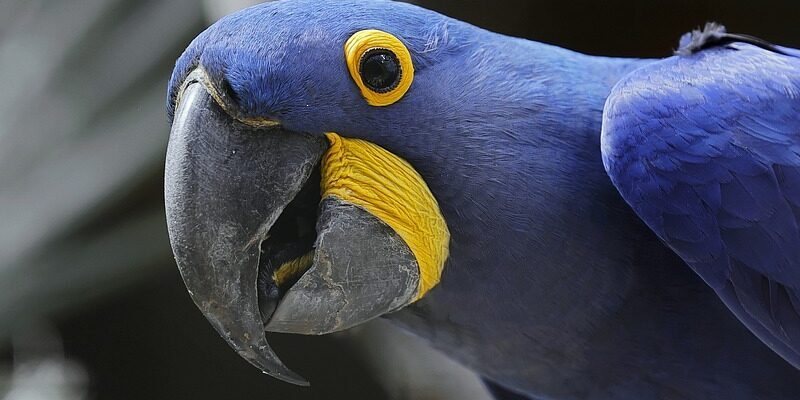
(91, 304)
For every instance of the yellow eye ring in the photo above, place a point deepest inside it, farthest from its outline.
(381, 66)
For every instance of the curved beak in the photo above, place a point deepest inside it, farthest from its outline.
(225, 185)
(255, 244)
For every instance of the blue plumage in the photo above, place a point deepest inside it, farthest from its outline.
(554, 287)
(706, 149)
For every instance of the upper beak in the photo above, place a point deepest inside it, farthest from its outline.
(225, 185)
(239, 201)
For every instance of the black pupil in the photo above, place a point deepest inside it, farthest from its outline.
(380, 70)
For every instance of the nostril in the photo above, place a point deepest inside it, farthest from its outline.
(230, 94)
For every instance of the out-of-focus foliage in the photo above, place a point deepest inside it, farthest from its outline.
(82, 135)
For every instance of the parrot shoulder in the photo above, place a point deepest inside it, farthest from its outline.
(705, 147)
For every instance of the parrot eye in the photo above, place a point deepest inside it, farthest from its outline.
(380, 70)
(380, 64)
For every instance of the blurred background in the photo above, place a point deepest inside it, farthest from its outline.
(91, 303)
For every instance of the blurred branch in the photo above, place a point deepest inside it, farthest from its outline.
(216, 9)
(82, 269)
(82, 127)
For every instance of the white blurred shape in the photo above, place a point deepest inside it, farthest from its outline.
(409, 369)
(48, 379)
(41, 372)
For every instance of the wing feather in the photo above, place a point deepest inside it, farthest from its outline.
(706, 149)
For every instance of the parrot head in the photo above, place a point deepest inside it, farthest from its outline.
(294, 182)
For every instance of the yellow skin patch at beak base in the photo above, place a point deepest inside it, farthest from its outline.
(292, 269)
(388, 187)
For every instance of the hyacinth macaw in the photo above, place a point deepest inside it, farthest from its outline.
(563, 224)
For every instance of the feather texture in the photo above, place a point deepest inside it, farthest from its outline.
(706, 149)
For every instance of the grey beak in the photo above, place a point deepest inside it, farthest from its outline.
(362, 269)
(226, 188)
(215, 230)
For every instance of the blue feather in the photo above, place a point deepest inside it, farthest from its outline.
(729, 206)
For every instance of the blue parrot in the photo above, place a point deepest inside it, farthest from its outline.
(529, 210)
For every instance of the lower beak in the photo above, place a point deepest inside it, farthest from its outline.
(242, 203)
